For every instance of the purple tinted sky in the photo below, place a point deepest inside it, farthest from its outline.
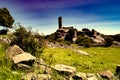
(102, 15)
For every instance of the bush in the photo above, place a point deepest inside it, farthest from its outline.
(108, 41)
(84, 41)
(28, 41)
(117, 37)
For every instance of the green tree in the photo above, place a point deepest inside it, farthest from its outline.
(6, 20)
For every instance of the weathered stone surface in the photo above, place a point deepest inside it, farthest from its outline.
(116, 44)
(23, 57)
(12, 51)
(44, 77)
(106, 74)
(42, 65)
(91, 76)
(34, 76)
(24, 66)
(64, 68)
(82, 52)
(79, 76)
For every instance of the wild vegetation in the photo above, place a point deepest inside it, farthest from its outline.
(6, 71)
(28, 41)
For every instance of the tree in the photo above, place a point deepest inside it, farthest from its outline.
(6, 20)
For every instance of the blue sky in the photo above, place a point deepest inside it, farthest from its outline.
(101, 15)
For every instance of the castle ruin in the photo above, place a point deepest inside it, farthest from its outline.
(72, 33)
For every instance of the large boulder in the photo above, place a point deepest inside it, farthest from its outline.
(12, 51)
(65, 68)
(23, 58)
(106, 74)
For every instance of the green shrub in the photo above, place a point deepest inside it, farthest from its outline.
(28, 41)
(84, 41)
(108, 41)
(117, 37)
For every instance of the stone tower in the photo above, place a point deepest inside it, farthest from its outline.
(60, 22)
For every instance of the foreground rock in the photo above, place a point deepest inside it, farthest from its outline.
(82, 52)
(91, 76)
(23, 57)
(107, 74)
(79, 76)
(19, 57)
(65, 69)
(12, 51)
(41, 64)
(34, 76)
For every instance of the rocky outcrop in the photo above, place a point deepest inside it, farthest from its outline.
(22, 57)
(19, 57)
(106, 74)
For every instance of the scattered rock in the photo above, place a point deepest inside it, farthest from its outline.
(91, 76)
(116, 44)
(24, 57)
(12, 51)
(42, 65)
(34, 76)
(106, 74)
(43, 77)
(79, 76)
(23, 66)
(82, 52)
(64, 68)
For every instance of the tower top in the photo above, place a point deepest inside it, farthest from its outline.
(60, 22)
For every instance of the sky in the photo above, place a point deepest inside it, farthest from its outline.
(42, 15)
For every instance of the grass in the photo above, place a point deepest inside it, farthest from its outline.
(100, 58)
(6, 71)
